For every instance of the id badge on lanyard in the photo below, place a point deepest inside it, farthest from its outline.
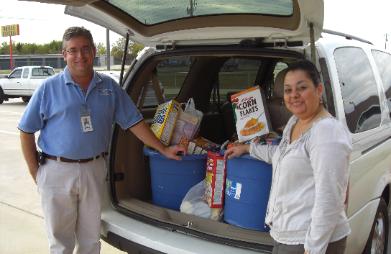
(85, 119)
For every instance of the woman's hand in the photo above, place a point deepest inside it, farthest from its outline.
(236, 151)
(173, 152)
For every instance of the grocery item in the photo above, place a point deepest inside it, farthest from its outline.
(194, 203)
(201, 145)
(215, 179)
(185, 128)
(250, 116)
(163, 123)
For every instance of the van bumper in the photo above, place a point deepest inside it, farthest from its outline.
(127, 245)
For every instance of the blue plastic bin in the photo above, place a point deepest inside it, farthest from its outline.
(171, 179)
(247, 192)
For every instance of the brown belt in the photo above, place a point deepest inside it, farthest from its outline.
(58, 158)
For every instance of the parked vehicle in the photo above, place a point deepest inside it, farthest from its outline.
(23, 81)
(261, 39)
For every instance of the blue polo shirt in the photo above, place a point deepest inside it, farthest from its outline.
(56, 107)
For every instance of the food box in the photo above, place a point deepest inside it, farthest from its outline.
(186, 128)
(201, 145)
(250, 116)
(215, 180)
(163, 123)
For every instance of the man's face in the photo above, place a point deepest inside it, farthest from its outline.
(79, 55)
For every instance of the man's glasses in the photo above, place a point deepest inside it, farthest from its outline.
(74, 51)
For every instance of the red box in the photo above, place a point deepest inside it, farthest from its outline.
(215, 179)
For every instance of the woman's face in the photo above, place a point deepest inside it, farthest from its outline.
(301, 96)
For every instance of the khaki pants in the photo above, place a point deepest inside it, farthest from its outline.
(71, 202)
(337, 247)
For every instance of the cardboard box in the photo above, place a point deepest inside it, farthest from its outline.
(250, 114)
(163, 123)
(215, 180)
(186, 128)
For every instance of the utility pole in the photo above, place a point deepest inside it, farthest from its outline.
(108, 48)
(386, 41)
(190, 10)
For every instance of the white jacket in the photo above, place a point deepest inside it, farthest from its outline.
(310, 176)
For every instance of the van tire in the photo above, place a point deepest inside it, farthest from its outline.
(26, 99)
(2, 96)
(378, 238)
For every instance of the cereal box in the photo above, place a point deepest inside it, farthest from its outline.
(163, 123)
(215, 180)
(185, 128)
(250, 116)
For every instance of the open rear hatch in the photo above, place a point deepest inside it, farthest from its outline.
(154, 22)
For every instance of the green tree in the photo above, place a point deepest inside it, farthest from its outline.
(136, 47)
(118, 49)
(54, 47)
(100, 49)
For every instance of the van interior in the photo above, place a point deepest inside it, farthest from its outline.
(209, 76)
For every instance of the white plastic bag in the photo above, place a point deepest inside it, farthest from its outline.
(191, 109)
(194, 203)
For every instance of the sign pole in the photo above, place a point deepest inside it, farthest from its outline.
(11, 62)
(10, 30)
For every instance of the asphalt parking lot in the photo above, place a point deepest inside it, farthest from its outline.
(22, 227)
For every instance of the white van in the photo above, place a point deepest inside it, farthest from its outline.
(208, 49)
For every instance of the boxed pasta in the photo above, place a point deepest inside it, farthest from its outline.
(164, 120)
(215, 179)
(250, 116)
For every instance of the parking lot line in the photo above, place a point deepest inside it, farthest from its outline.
(11, 112)
(9, 132)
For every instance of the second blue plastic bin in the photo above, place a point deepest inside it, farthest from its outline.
(247, 192)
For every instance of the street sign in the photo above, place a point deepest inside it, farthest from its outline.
(10, 30)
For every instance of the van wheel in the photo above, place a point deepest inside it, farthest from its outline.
(1, 96)
(26, 99)
(378, 238)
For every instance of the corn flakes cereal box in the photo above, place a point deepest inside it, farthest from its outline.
(250, 116)
(163, 123)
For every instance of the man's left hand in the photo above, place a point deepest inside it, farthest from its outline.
(174, 152)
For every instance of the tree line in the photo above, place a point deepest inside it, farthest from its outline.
(55, 47)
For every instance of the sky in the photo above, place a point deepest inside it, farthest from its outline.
(41, 23)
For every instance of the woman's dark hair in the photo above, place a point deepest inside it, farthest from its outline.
(76, 31)
(308, 67)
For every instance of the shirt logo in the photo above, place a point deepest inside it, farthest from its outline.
(105, 91)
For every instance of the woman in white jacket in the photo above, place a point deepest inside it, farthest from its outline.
(306, 211)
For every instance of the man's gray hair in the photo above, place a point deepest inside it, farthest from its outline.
(76, 31)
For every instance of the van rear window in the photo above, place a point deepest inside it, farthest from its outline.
(150, 12)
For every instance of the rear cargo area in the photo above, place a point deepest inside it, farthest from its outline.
(210, 76)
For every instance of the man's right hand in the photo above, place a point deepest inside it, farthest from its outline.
(30, 154)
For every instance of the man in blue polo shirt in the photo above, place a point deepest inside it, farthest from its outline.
(74, 112)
